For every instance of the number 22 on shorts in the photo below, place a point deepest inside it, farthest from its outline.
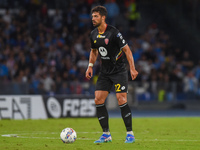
(117, 87)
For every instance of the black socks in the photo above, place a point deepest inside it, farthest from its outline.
(102, 115)
(127, 116)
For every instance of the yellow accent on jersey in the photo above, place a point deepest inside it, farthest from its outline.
(118, 55)
(95, 41)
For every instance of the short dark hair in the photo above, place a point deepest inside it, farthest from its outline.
(101, 9)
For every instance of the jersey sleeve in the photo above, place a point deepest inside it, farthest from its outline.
(92, 42)
(119, 40)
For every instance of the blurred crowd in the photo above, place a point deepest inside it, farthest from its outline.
(49, 48)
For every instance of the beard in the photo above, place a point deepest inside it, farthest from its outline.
(97, 24)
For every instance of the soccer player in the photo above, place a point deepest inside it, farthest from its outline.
(107, 41)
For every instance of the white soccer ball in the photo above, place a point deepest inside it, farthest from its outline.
(68, 135)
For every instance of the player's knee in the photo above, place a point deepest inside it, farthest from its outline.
(122, 99)
(98, 100)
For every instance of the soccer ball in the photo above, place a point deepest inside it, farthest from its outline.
(68, 135)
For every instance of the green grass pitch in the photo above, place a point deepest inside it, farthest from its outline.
(151, 134)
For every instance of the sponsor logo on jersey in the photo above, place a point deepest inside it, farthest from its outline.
(106, 41)
(105, 57)
(103, 51)
(101, 36)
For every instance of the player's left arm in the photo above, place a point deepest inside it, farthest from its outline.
(130, 59)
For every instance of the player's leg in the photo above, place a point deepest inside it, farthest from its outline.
(121, 87)
(103, 87)
(125, 110)
(126, 115)
(102, 114)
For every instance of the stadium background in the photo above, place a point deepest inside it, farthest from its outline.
(44, 50)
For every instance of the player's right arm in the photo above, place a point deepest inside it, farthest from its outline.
(92, 60)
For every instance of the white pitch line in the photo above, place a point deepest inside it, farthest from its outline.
(24, 133)
(167, 140)
(153, 140)
(9, 135)
(17, 136)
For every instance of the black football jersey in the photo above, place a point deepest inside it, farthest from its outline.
(109, 45)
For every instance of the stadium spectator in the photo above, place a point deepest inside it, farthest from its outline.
(197, 71)
(190, 85)
(34, 43)
(113, 11)
(7, 17)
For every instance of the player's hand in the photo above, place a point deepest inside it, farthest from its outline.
(89, 73)
(134, 73)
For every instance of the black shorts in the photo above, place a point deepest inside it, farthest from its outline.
(106, 82)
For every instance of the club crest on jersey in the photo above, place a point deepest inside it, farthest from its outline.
(106, 41)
